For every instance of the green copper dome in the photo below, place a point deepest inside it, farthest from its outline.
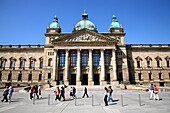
(55, 23)
(85, 23)
(114, 22)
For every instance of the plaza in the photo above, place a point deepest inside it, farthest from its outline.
(21, 104)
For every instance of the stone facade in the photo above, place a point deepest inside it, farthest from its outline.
(84, 57)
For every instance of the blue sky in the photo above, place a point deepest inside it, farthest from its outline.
(25, 21)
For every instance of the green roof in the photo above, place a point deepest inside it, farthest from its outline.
(55, 23)
(114, 22)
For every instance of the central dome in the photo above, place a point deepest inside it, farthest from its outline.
(85, 23)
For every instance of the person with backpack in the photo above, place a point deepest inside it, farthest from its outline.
(31, 91)
(62, 93)
(11, 90)
(151, 91)
(36, 91)
(57, 93)
(156, 97)
(110, 90)
(5, 94)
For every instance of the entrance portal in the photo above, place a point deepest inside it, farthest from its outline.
(85, 79)
(73, 79)
(96, 79)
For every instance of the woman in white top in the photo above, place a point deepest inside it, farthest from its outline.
(105, 96)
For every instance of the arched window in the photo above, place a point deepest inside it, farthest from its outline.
(49, 62)
(158, 60)
(41, 62)
(32, 62)
(148, 60)
(138, 59)
(167, 61)
(22, 62)
(3, 60)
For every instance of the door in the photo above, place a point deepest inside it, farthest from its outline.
(85, 79)
(73, 79)
(96, 79)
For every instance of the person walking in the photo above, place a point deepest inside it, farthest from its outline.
(110, 90)
(71, 93)
(85, 92)
(31, 91)
(151, 91)
(36, 91)
(156, 97)
(105, 96)
(74, 92)
(57, 93)
(39, 91)
(5, 94)
(62, 93)
(11, 90)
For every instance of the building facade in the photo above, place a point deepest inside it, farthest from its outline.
(85, 57)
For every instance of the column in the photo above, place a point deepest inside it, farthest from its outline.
(102, 65)
(90, 81)
(114, 65)
(67, 67)
(55, 65)
(78, 67)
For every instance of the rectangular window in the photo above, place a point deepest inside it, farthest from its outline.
(150, 76)
(2, 64)
(140, 76)
(41, 64)
(167, 63)
(0, 75)
(169, 75)
(138, 64)
(11, 64)
(84, 59)
(128, 62)
(73, 59)
(107, 59)
(9, 76)
(158, 63)
(160, 76)
(148, 64)
(95, 59)
(29, 77)
(62, 59)
(49, 75)
(19, 77)
(31, 64)
(61, 77)
(21, 64)
(40, 77)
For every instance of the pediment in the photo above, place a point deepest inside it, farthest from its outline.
(84, 36)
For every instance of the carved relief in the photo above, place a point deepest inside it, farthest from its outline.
(84, 38)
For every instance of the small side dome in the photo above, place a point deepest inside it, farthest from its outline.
(114, 22)
(55, 23)
(85, 23)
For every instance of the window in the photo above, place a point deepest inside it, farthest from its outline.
(84, 59)
(49, 62)
(160, 76)
(138, 64)
(169, 75)
(140, 76)
(49, 75)
(128, 62)
(148, 64)
(95, 59)
(167, 63)
(40, 77)
(73, 59)
(61, 77)
(22, 64)
(2, 64)
(158, 63)
(9, 76)
(107, 59)
(31, 64)
(62, 59)
(29, 77)
(0, 75)
(19, 77)
(41, 64)
(150, 76)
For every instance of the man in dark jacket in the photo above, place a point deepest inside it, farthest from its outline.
(85, 92)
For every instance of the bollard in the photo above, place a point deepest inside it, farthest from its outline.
(122, 100)
(92, 100)
(139, 100)
(34, 99)
(48, 99)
